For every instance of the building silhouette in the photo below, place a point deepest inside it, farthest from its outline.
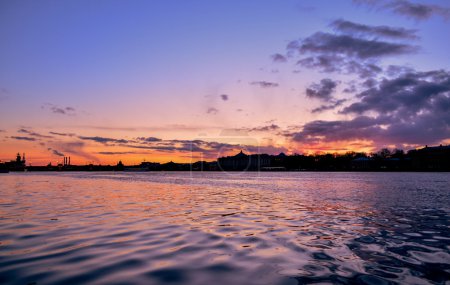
(242, 161)
(435, 158)
(15, 165)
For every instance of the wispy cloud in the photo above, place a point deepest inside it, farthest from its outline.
(347, 45)
(55, 109)
(55, 152)
(277, 57)
(377, 31)
(416, 11)
(117, 152)
(23, 138)
(62, 134)
(326, 107)
(103, 140)
(75, 148)
(212, 111)
(264, 84)
(148, 139)
(32, 133)
(244, 131)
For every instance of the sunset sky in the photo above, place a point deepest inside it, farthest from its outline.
(103, 81)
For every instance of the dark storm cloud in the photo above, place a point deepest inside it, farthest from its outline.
(278, 57)
(417, 11)
(413, 108)
(323, 90)
(378, 31)
(264, 84)
(23, 138)
(352, 46)
(224, 97)
(103, 139)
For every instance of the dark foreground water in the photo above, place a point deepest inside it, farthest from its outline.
(214, 228)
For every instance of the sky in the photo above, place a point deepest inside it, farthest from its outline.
(103, 81)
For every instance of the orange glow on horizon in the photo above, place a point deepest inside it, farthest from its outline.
(97, 154)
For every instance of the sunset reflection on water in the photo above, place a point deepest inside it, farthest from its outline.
(211, 228)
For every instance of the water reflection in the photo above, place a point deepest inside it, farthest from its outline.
(269, 228)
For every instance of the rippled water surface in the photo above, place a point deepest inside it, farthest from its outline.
(216, 228)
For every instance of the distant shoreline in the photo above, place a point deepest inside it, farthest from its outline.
(226, 171)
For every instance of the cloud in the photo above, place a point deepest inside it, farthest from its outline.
(326, 63)
(264, 84)
(319, 131)
(406, 95)
(75, 148)
(327, 107)
(70, 111)
(117, 152)
(103, 139)
(4, 94)
(416, 11)
(2, 131)
(245, 131)
(31, 133)
(354, 48)
(377, 31)
(410, 109)
(148, 139)
(323, 90)
(347, 45)
(340, 64)
(271, 127)
(224, 97)
(55, 152)
(23, 138)
(212, 110)
(206, 149)
(278, 57)
(62, 134)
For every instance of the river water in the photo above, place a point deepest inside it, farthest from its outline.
(225, 228)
